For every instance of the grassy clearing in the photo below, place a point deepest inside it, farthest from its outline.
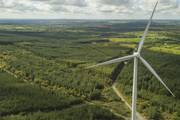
(171, 49)
(125, 40)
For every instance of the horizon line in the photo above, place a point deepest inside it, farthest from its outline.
(75, 19)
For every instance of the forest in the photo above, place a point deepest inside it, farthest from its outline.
(44, 75)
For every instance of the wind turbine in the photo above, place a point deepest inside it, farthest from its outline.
(137, 56)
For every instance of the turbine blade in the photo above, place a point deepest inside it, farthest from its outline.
(113, 61)
(155, 74)
(146, 30)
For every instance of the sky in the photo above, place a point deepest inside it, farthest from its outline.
(88, 9)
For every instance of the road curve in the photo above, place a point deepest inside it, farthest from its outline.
(139, 116)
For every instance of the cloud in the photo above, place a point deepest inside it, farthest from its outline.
(115, 2)
(78, 3)
(127, 8)
(22, 6)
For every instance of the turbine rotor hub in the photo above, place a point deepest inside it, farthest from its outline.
(136, 54)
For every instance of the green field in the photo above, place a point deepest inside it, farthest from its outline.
(44, 75)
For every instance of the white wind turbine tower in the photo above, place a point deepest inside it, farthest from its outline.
(137, 56)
